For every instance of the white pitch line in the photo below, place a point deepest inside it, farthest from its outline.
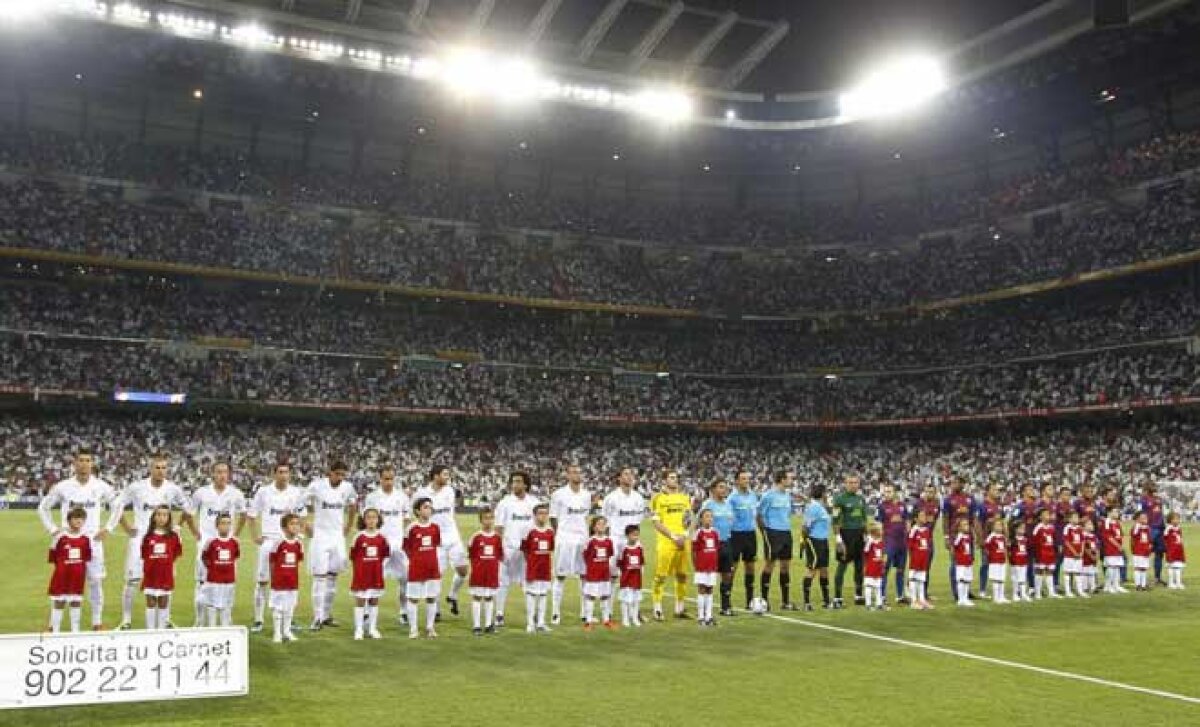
(989, 659)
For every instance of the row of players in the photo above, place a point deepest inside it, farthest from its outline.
(332, 499)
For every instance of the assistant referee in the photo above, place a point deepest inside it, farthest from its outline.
(816, 545)
(849, 524)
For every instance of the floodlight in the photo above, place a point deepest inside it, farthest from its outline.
(896, 86)
(665, 105)
(21, 11)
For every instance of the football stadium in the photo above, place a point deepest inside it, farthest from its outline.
(648, 362)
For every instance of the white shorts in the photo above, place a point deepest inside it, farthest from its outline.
(452, 554)
(133, 559)
(1090, 570)
(219, 595)
(282, 600)
(630, 595)
(1176, 565)
(708, 580)
(964, 573)
(1072, 566)
(512, 569)
(1114, 561)
(66, 599)
(262, 570)
(876, 583)
(996, 572)
(568, 557)
(326, 555)
(368, 594)
(201, 570)
(597, 589)
(95, 566)
(537, 588)
(477, 592)
(619, 544)
(918, 575)
(156, 592)
(396, 565)
(428, 590)
(1141, 562)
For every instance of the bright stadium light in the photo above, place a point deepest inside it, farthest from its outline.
(21, 11)
(668, 105)
(899, 85)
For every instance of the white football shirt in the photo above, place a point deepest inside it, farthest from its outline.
(207, 504)
(270, 504)
(329, 505)
(443, 511)
(622, 510)
(570, 509)
(514, 515)
(396, 509)
(92, 496)
(142, 497)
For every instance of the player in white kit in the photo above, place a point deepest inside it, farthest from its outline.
(395, 507)
(266, 511)
(622, 507)
(208, 503)
(452, 552)
(514, 518)
(569, 509)
(333, 505)
(83, 490)
(143, 496)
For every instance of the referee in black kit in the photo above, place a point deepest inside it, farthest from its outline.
(849, 525)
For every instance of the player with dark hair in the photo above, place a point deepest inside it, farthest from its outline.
(743, 535)
(816, 546)
(849, 523)
(722, 521)
(775, 520)
(957, 505)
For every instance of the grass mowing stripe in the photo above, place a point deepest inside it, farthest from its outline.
(988, 659)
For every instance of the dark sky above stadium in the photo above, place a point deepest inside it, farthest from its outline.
(830, 40)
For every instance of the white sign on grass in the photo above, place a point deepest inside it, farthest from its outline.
(53, 670)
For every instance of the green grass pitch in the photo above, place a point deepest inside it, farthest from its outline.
(749, 670)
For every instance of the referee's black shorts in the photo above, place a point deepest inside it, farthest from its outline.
(744, 545)
(816, 553)
(852, 546)
(779, 544)
(725, 558)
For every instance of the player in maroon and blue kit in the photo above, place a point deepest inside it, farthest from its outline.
(1152, 505)
(957, 506)
(1027, 512)
(893, 515)
(1063, 507)
(931, 505)
(988, 511)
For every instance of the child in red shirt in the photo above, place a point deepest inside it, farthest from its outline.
(1091, 556)
(1114, 552)
(421, 543)
(1045, 550)
(367, 557)
(160, 549)
(285, 559)
(629, 563)
(597, 574)
(920, 544)
(874, 563)
(995, 548)
(1072, 563)
(706, 554)
(1142, 547)
(70, 553)
(964, 562)
(220, 572)
(1173, 539)
(485, 551)
(538, 548)
(1018, 558)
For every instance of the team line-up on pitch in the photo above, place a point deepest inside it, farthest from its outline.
(536, 545)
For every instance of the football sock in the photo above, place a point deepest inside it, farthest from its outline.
(260, 601)
(431, 610)
(277, 620)
(127, 595)
(998, 591)
(489, 613)
(556, 590)
(164, 617)
(606, 610)
(360, 621)
(541, 609)
(681, 591)
(501, 598)
(151, 618)
(330, 594)
(56, 615)
(748, 582)
(726, 595)
(318, 598)
(839, 577)
(198, 604)
(456, 585)
(589, 609)
(288, 614)
(76, 615)
(476, 612)
(411, 607)
(824, 589)
(785, 586)
(530, 610)
(96, 599)
(808, 589)
(373, 616)
(764, 586)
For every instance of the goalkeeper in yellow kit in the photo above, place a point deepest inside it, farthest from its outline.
(671, 511)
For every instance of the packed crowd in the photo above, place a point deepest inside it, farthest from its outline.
(388, 190)
(35, 452)
(1111, 377)
(305, 319)
(39, 215)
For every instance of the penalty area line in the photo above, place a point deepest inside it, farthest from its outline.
(988, 659)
